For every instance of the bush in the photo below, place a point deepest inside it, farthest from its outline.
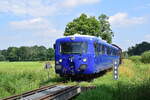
(2, 58)
(135, 59)
(145, 57)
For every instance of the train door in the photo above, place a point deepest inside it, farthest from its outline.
(109, 57)
(97, 56)
(103, 56)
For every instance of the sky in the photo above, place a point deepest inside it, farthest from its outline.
(41, 22)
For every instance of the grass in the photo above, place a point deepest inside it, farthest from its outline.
(133, 83)
(18, 77)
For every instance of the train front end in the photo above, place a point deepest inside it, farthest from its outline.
(73, 56)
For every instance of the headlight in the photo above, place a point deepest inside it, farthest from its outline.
(60, 60)
(83, 67)
(58, 67)
(84, 60)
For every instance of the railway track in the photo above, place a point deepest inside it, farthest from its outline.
(53, 92)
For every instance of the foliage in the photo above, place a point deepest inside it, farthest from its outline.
(2, 57)
(12, 54)
(138, 49)
(50, 54)
(105, 30)
(34, 53)
(135, 59)
(85, 25)
(145, 57)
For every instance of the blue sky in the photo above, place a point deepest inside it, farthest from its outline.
(41, 22)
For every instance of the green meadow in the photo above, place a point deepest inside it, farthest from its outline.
(133, 83)
(18, 77)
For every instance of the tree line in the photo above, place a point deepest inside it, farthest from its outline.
(138, 49)
(25, 53)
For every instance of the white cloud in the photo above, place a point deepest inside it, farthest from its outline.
(29, 7)
(36, 31)
(36, 23)
(73, 3)
(37, 26)
(38, 8)
(123, 20)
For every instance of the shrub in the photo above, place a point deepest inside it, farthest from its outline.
(145, 57)
(2, 58)
(135, 59)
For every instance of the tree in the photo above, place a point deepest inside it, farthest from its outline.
(4, 53)
(42, 53)
(105, 30)
(85, 25)
(24, 53)
(138, 49)
(2, 57)
(50, 54)
(12, 54)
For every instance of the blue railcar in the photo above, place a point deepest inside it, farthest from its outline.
(84, 55)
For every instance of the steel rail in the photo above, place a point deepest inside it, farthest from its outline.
(58, 93)
(15, 97)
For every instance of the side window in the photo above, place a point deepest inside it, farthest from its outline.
(112, 52)
(96, 48)
(107, 50)
(103, 49)
(118, 53)
(100, 49)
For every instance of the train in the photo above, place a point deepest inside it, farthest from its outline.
(83, 55)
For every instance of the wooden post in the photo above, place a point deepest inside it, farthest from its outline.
(47, 67)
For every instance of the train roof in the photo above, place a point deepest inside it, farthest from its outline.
(87, 37)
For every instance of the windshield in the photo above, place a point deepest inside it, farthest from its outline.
(73, 47)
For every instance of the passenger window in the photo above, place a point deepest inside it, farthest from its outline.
(112, 52)
(96, 48)
(103, 49)
(106, 52)
(109, 51)
(117, 53)
(100, 49)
